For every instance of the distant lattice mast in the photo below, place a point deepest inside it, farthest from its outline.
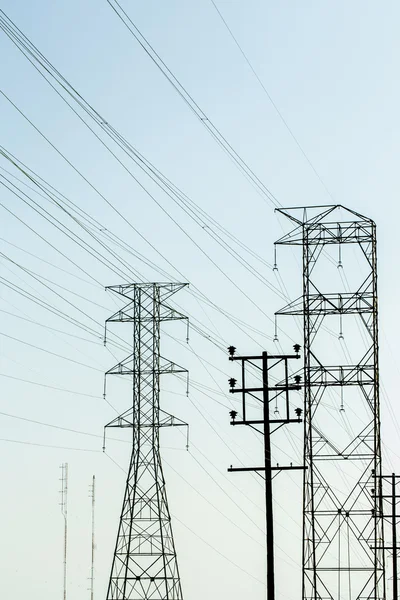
(145, 564)
(64, 511)
(92, 493)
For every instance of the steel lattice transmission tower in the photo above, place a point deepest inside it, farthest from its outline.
(145, 565)
(342, 507)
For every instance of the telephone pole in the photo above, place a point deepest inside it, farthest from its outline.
(265, 394)
(145, 565)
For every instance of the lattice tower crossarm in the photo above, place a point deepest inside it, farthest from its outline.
(342, 511)
(145, 564)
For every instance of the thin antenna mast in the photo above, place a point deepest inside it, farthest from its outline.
(64, 511)
(92, 495)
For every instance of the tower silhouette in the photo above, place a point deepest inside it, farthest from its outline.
(343, 546)
(145, 565)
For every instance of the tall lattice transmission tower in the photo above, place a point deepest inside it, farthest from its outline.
(145, 565)
(342, 508)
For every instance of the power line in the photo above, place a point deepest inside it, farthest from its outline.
(4, 414)
(161, 180)
(50, 328)
(69, 430)
(46, 69)
(48, 262)
(47, 445)
(58, 225)
(183, 230)
(46, 241)
(200, 295)
(66, 87)
(224, 515)
(196, 535)
(121, 244)
(49, 352)
(52, 387)
(41, 279)
(192, 104)
(47, 306)
(271, 100)
(64, 315)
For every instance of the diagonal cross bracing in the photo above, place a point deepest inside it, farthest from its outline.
(342, 510)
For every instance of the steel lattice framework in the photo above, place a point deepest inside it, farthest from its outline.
(145, 564)
(342, 510)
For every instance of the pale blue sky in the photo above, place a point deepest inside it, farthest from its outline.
(332, 70)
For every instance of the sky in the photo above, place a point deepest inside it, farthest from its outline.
(323, 128)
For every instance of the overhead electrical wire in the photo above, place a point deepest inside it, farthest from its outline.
(115, 343)
(183, 230)
(194, 533)
(49, 263)
(46, 241)
(22, 42)
(44, 281)
(117, 3)
(99, 337)
(194, 383)
(52, 387)
(33, 54)
(57, 224)
(101, 121)
(26, 443)
(80, 449)
(25, 343)
(92, 225)
(52, 309)
(142, 258)
(216, 134)
(271, 100)
(68, 333)
(239, 323)
(220, 512)
(47, 306)
(76, 431)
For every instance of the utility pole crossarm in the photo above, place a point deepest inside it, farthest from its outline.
(277, 468)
